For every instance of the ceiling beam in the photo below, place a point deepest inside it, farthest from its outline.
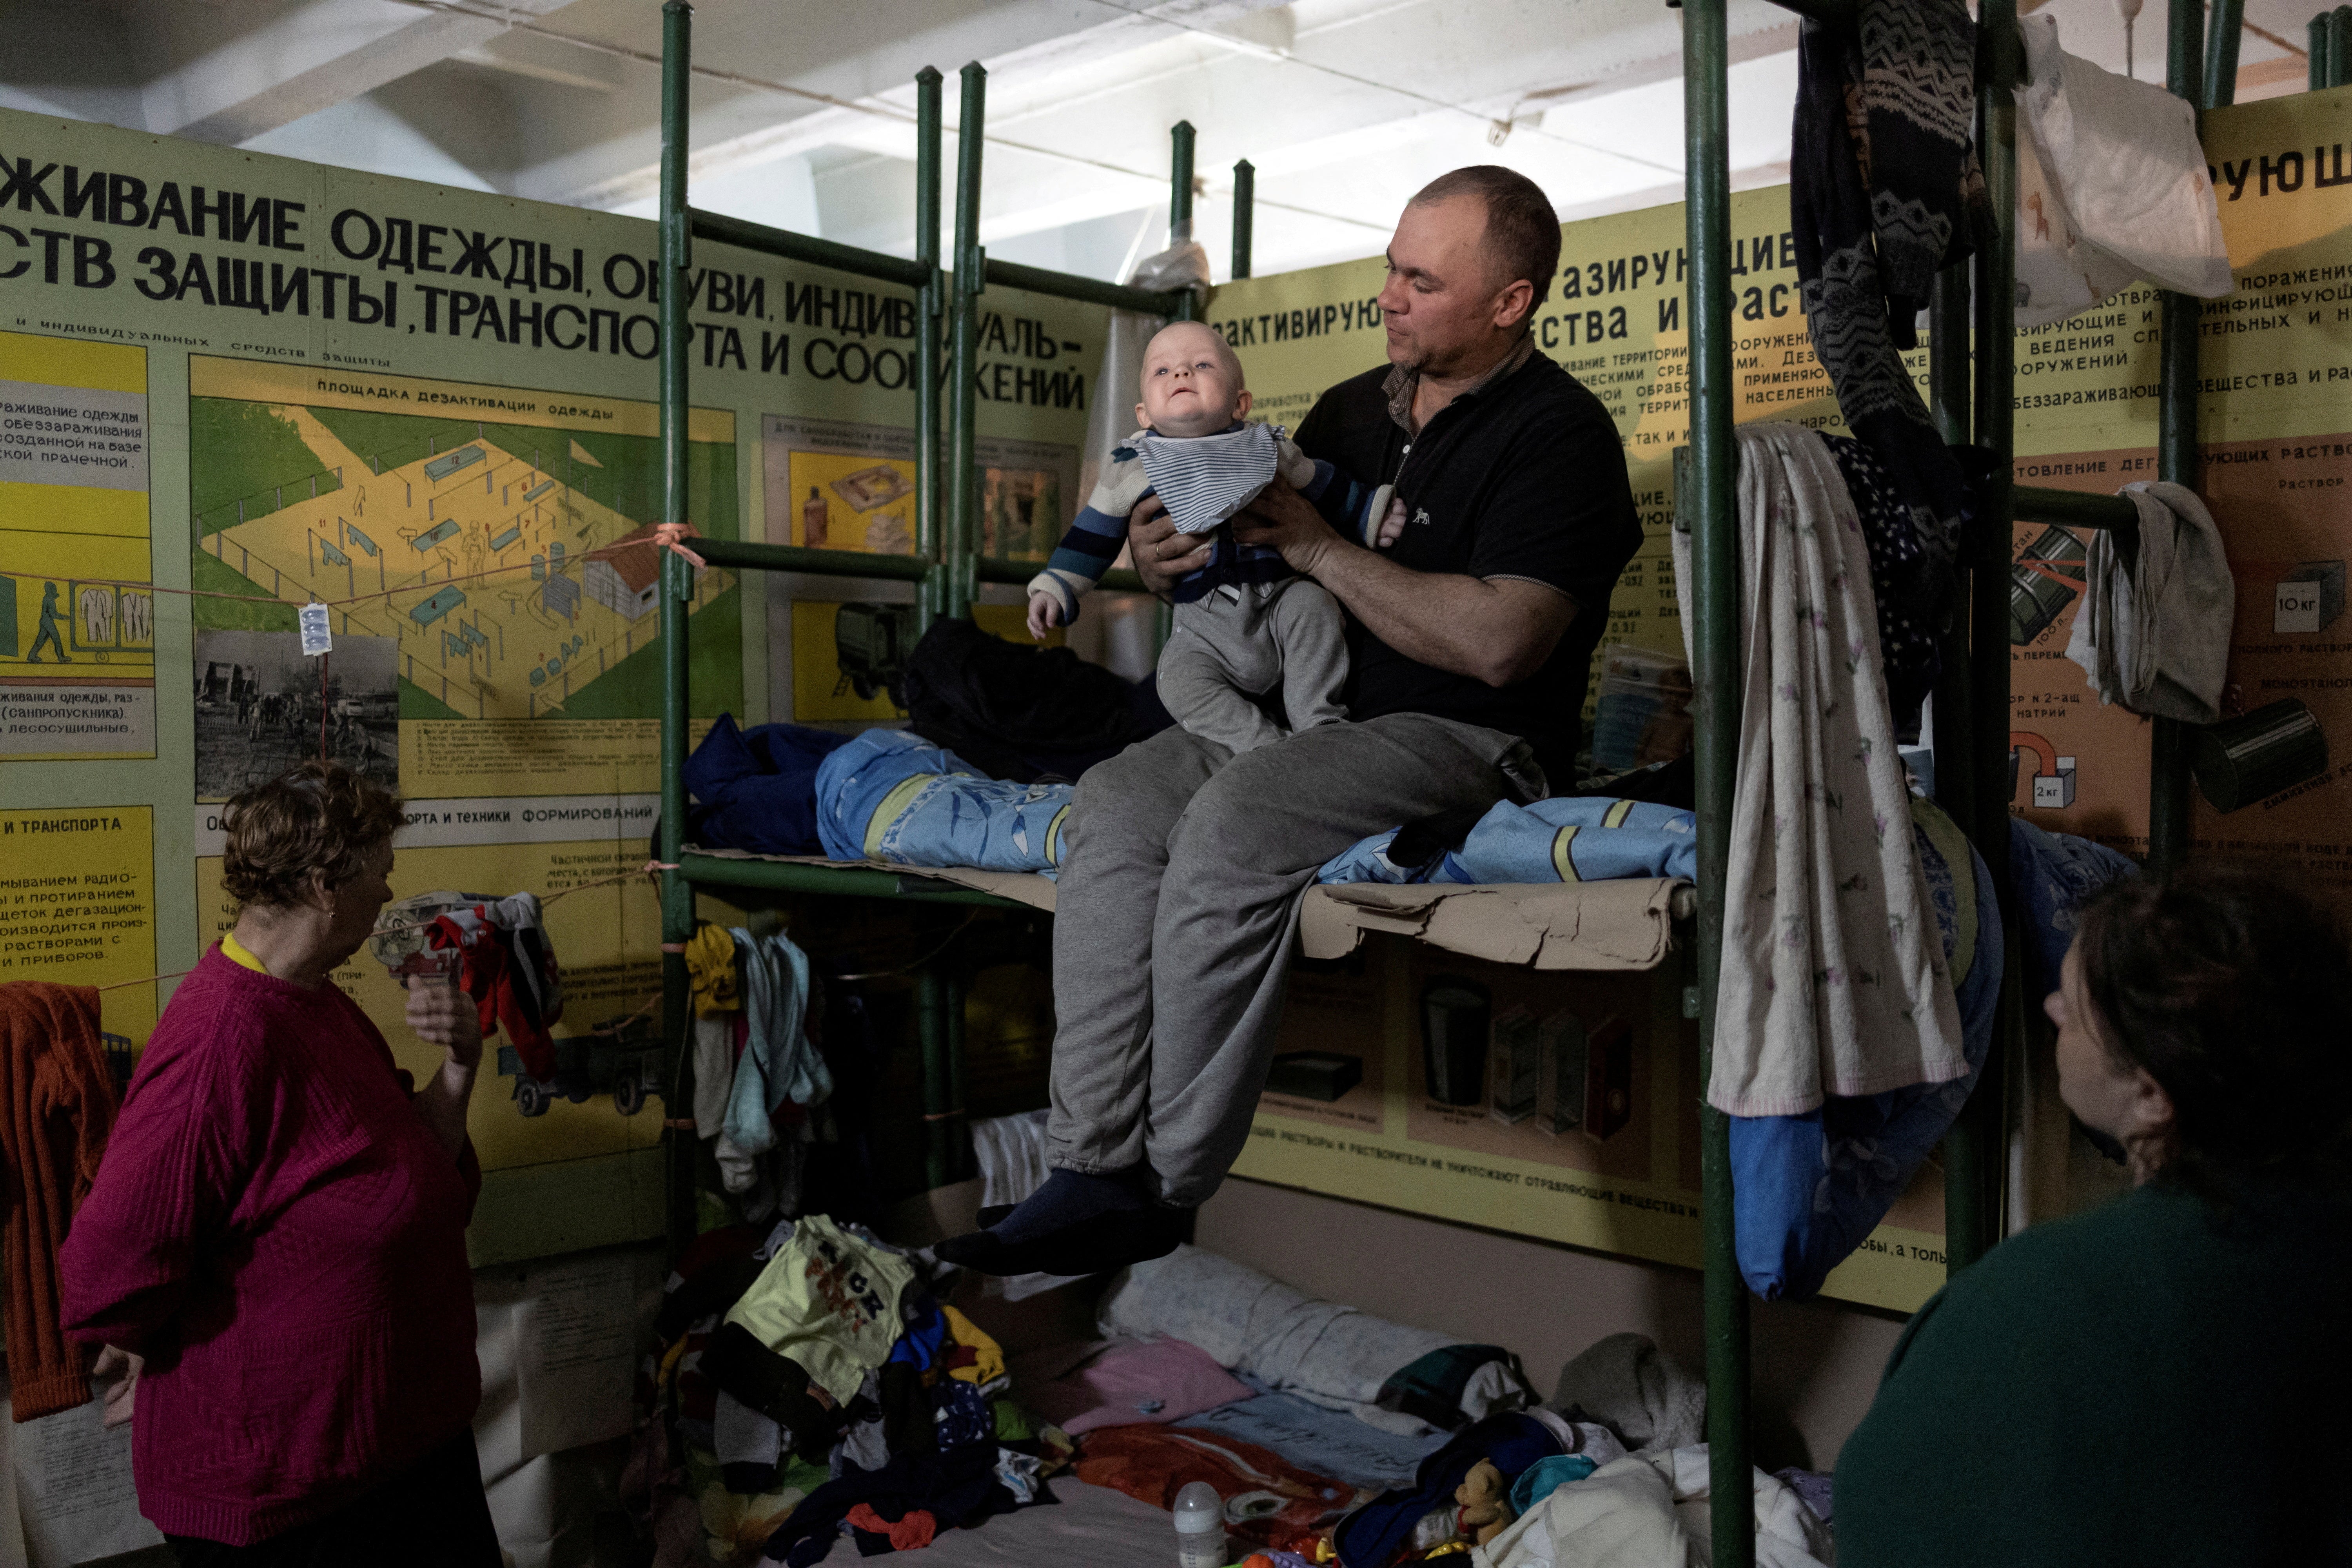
(311, 58)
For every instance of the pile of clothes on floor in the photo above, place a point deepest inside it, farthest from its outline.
(1334, 1436)
(811, 1388)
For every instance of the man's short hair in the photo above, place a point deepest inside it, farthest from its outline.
(1522, 230)
(319, 816)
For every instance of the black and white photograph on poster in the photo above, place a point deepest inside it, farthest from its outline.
(262, 706)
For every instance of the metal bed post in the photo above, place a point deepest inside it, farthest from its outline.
(962, 542)
(930, 308)
(1179, 204)
(1715, 545)
(2222, 53)
(1245, 213)
(676, 587)
(1973, 1148)
(2175, 460)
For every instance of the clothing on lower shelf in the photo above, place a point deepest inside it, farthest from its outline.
(507, 966)
(1808, 1189)
(56, 1108)
(1833, 982)
(826, 1302)
(2153, 631)
(711, 972)
(2113, 187)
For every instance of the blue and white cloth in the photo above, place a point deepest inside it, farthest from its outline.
(1569, 838)
(779, 1063)
(1808, 1189)
(1204, 479)
(892, 796)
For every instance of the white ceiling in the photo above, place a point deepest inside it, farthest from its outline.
(803, 108)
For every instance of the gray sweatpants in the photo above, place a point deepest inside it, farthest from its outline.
(1237, 643)
(1182, 876)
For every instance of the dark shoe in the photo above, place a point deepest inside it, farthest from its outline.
(1090, 1246)
(993, 1214)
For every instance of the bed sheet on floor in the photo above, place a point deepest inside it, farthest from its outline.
(1089, 1526)
(1327, 1442)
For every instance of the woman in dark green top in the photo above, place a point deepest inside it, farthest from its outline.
(2164, 1379)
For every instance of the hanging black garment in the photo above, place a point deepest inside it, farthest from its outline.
(1022, 713)
(1885, 190)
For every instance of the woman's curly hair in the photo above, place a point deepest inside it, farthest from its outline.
(318, 818)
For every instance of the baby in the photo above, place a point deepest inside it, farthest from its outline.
(1245, 623)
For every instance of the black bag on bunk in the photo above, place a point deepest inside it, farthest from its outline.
(1022, 713)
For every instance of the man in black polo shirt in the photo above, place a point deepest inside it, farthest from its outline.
(1470, 641)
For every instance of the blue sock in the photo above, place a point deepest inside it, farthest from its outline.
(1067, 1198)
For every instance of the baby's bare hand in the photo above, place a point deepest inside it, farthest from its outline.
(1044, 615)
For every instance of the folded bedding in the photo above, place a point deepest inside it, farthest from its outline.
(1322, 1351)
(1327, 1442)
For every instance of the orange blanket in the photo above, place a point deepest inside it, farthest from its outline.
(57, 1106)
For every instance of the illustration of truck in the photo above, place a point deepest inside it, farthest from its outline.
(623, 1056)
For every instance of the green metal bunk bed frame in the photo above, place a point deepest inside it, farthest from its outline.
(1971, 708)
(1971, 711)
(947, 567)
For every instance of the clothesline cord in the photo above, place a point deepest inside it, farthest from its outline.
(648, 869)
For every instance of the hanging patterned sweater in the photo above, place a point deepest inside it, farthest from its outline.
(1203, 480)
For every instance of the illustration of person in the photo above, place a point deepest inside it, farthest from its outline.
(49, 627)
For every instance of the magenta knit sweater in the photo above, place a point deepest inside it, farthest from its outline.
(278, 1231)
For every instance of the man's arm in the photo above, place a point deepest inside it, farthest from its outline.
(1497, 632)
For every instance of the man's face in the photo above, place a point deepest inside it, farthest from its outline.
(1440, 302)
(1191, 384)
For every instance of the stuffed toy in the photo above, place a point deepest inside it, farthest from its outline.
(1483, 1497)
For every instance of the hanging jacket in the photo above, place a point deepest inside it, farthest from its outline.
(507, 966)
(57, 1107)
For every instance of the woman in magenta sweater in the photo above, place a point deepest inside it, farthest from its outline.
(273, 1253)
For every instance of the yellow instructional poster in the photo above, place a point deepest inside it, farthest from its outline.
(78, 907)
(76, 612)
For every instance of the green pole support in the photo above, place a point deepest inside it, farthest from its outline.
(2315, 35)
(2339, 27)
(2169, 784)
(676, 586)
(962, 541)
(931, 1032)
(1715, 547)
(930, 310)
(2222, 53)
(1179, 183)
(1245, 213)
(956, 1127)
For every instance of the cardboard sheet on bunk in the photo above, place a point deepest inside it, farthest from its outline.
(1613, 925)
(1021, 887)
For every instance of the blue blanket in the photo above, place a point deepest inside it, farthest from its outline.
(892, 796)
(1571, 838)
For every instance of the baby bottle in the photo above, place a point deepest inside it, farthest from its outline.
(1200, 1527)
